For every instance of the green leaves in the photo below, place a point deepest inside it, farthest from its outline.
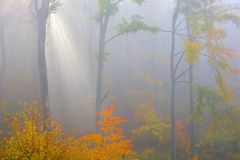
(54, 5)
(152, 126)
(135, 24)
(108, 6)
(139, 2)
(223, 91)
(205, 99)
(233, 17)
(222, 132)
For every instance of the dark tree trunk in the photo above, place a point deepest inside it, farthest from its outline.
(42, 16)
(103, 28)
(173, 85)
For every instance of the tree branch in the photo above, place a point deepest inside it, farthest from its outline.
(106, 94)
(180, 22)
(179, 34)
(178, 53)
(179, 60)
(117, 2)
(182, 82)
(183, 73)
(204, 54)
(114, 37)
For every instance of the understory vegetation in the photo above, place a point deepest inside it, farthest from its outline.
(26, 137)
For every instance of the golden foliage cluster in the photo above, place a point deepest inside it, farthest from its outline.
(192, 50)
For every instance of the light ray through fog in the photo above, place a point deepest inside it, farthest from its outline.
(68, 67)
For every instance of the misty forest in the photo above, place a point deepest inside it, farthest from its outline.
(119, 80)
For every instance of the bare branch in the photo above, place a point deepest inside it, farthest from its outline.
(182, 29)
(182, 82)
(179, 34)
(179, 60)
(204, 54)
(114, 37)
(178, 53)
(183, 73)
(106, 94)
(180, 22)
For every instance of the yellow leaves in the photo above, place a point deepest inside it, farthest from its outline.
(152, 126)
(192, 50)
(235, 156)
(195, 158)
(27, 140)
(221, 133)
(151, 81)
(223, 90)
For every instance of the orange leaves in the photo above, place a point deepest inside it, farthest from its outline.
(108, 111)
(216, 34)
(216, 50)
(27, 140)
(110, 142)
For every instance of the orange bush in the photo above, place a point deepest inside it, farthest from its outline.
(110, 143)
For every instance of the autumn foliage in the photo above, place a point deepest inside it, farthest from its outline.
(110, 142)
(28, 140)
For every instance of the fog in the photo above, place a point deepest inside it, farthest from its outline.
(136, 70)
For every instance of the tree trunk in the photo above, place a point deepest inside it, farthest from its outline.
(42, 15)
(3, 62)
(103, 28)
(156, 87)
(192, 108)
(173, 84)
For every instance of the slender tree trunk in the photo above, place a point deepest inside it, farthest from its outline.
(192, 107)
(103, 28)
(156, 87)
(192, 110)
(3, 58)
(173, 85)
(3, 61)
(42, 16)
(90, 5)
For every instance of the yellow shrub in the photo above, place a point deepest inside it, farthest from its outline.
(27, 140)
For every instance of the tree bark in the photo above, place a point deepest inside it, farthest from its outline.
(42, 16)
(173, 85)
